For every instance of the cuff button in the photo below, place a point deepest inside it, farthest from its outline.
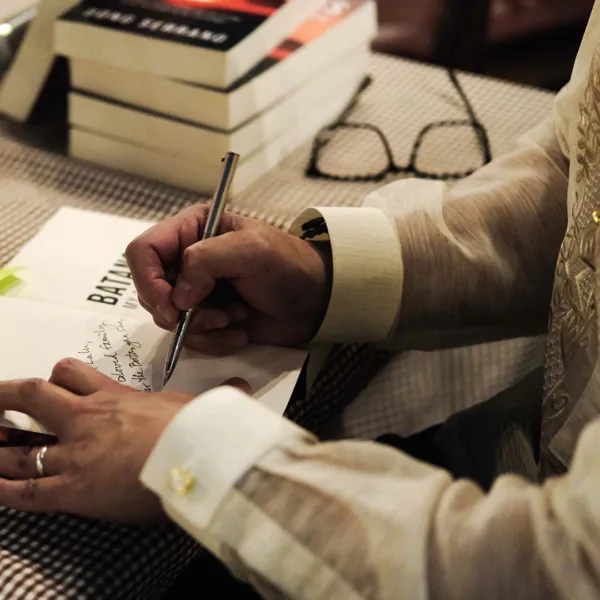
(181, 480)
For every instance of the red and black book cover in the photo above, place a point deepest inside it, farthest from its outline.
(213, 24)
(332, 14)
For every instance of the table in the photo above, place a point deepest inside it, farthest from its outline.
(35, 181)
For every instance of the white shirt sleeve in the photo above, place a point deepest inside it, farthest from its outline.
(217, 437)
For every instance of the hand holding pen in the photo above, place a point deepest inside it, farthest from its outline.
(281, 282)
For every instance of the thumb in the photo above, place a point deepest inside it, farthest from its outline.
(229, 256)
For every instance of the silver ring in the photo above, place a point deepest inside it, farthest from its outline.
(39, 461)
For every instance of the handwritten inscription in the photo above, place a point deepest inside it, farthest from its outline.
(115, 352)
(88, 354)
(117, 371)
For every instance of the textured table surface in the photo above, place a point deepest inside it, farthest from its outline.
(404, 97)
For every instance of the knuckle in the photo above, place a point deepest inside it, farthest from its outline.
(34, 386)
(193, 213)
(73, 465)
(237, 222)
(190, 259)
(24, 463)
(29, 490)
(98, 399)
(71, 407)
(259, 241)
(133, 248)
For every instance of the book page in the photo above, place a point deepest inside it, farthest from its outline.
(36, 336)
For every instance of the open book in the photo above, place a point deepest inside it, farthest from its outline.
(77, 300)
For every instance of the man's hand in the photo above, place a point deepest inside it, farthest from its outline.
(281, 283)
(106, 433)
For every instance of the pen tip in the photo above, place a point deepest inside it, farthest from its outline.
(166, 377)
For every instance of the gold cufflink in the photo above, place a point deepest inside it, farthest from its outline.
(181, 480)
(596, 216)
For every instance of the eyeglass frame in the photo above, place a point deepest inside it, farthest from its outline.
(325, 135)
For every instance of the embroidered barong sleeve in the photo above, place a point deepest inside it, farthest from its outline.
(481, 254)
(421, 256)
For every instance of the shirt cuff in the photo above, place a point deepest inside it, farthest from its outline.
(367, 273)
(206, 448)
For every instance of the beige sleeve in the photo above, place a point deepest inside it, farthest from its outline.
(478, 256)
(350, 520)
(419, 255)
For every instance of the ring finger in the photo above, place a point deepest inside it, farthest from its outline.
(21, 462)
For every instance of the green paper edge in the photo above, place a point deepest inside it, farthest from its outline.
(8, 279)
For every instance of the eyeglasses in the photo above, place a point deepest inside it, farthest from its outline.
(381, 162)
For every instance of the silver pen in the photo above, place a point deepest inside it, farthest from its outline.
(211, 229)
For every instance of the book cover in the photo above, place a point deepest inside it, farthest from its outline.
(212, 24)
(325, 19)
(77, 260)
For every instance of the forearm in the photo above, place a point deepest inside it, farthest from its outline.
(485, 255)
(437, 260)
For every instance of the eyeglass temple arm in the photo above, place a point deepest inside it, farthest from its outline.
(461, 34)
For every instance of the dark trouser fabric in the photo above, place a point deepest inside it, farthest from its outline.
(481, 443)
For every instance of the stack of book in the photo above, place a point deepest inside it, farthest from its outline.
(163, 88)
(15, 15)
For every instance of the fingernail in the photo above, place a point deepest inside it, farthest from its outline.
(182, 294)
(167, 313)
(183, 285)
